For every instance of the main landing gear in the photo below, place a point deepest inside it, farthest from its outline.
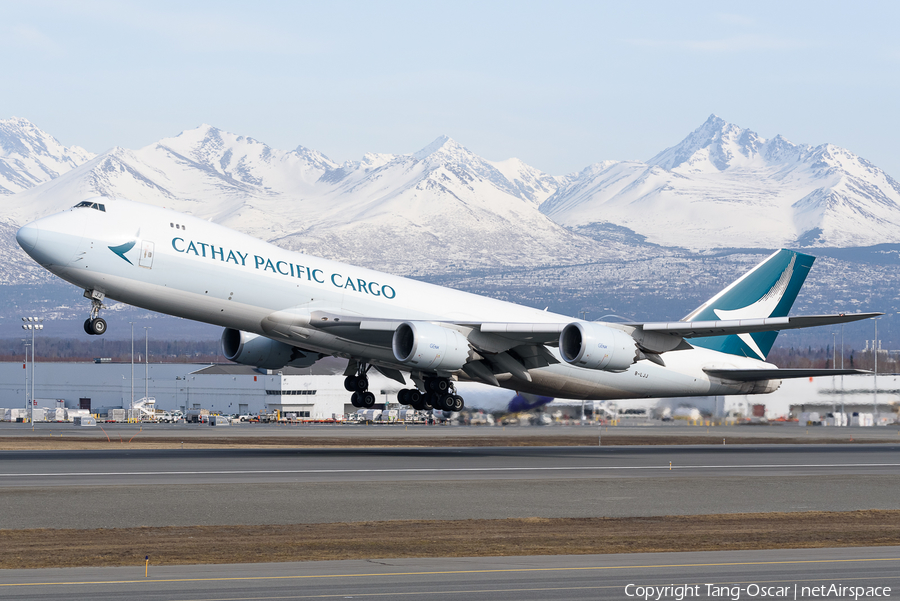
(95, 325)
(440, 393)
(359, 385)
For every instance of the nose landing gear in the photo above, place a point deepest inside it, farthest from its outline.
(95, 325)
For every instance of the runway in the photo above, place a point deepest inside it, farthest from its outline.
(782, 574)
(279, 486)
(368, 435)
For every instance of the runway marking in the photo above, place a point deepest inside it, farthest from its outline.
(351, 595)
(449, 469)
(454, 572)
(346, 595)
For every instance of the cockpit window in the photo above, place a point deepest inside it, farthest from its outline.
(90, 205)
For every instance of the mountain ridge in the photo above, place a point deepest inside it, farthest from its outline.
(444, 206)
(29, 156)
(723, 185)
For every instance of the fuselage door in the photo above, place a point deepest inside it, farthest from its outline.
(146, 254)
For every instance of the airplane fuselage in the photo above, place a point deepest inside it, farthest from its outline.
(176, 264)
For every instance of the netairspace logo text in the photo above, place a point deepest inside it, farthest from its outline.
(755, 591)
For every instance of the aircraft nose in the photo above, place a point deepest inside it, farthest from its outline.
(27, 237)
(52, 240)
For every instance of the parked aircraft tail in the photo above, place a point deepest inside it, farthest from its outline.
(768, 290)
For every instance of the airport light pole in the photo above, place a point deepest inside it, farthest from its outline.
(834, 350)
(875, 380)
(834, 366)
(131, 413)
(843, 414)
(842, 351)
(25, 365)
(32, 324)
(146, 364)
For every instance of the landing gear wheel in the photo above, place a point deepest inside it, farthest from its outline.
(403, 396)
(362, 384)
(414, 396)
(437, 385)
(98, 326)
(367, 399)
(350, 383)
(354, 400)
(442, 402)
(418, 404)
(94, 325)
(457, 403)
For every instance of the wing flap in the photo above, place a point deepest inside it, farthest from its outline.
(523, 328)
(379, 326)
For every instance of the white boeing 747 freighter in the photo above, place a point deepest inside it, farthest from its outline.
(283, 308)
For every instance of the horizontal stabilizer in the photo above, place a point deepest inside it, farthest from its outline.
(699, 329)
(756, 375)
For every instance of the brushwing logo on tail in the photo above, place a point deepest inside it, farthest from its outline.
(122, 249)
(764, 307)
(767, 290)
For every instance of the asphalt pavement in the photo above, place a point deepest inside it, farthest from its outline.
(105, 489)
(735, 575)
(368, 434)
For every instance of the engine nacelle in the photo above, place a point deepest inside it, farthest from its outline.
(424, 345)
(259, 351)
(595, 346)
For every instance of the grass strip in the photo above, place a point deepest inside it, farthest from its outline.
(50, 548)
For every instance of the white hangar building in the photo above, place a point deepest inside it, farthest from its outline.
(316, 393)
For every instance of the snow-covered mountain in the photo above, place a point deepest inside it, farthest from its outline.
(445, 208)
(725, 186)
(205, 171)
(441, 206)
(29, 156)
(438, 208)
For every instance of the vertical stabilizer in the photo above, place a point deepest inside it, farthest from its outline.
(767, 290)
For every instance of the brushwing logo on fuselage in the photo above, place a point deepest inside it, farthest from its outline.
(122, 249)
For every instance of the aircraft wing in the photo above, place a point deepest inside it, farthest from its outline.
(548, 333)
(755, 375)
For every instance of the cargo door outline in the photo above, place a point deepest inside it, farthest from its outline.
(146, 259)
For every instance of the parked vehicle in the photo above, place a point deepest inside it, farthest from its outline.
(166, 417)
(197, 416)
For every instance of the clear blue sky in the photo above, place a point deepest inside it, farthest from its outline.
(558, 84)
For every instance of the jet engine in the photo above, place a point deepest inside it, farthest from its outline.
(424, 345)
(595, 346)
(259, 351)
